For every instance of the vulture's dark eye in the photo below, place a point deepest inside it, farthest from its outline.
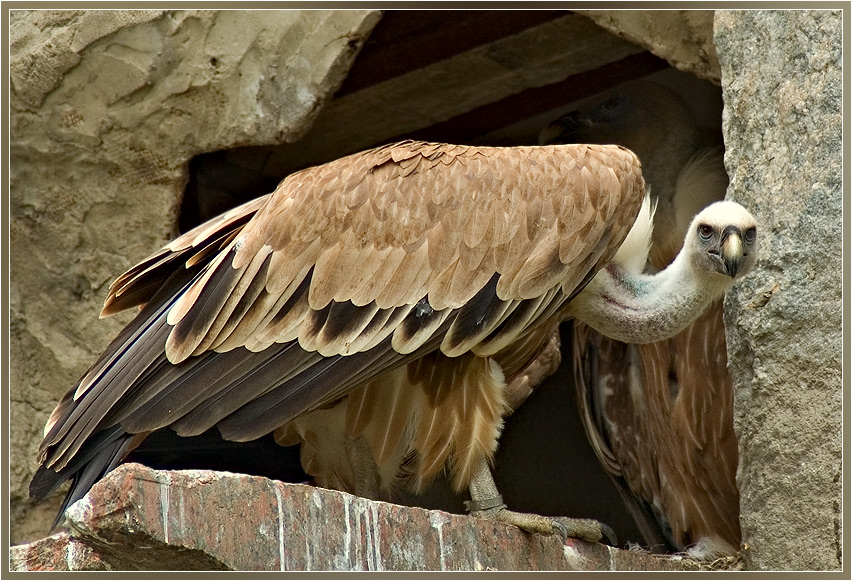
(612, 105)
(705, 231)
(750, 235)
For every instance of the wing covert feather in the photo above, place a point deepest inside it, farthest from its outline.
(139, 283)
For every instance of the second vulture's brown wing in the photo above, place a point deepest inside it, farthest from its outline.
(668, 444)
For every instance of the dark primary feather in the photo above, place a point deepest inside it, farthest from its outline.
(127, 358)
(100, 454)
(164, 277)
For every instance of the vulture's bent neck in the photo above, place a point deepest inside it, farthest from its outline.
(646, 308)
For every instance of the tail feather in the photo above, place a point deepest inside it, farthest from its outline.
(101, 453)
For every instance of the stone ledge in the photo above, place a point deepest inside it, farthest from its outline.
(204, 520)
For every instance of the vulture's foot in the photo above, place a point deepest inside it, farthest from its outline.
(486, 502)
(578, 528)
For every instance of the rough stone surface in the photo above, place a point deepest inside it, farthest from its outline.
(682, 37)
(206, 520)
(107, 109)
(782, 83)
(58, 552)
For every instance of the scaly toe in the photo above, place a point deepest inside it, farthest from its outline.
(580, 528)
(585, 529)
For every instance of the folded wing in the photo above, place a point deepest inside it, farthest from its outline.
(346, 272)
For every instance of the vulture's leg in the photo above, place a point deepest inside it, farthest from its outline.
(364, 469)
(542, 366)
(486, 502)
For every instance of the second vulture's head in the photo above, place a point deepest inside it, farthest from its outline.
(640, 115)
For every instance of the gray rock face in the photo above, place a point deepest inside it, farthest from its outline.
(107, 109)
(782, 80)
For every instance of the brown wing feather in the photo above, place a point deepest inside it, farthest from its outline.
(442, 211)
(611, 408)
(136, 286)
(703, 419)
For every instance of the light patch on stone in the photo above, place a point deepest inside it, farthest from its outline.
(164, 505)
(73, 555)
(347, 535)
(611, 553)
(76, 513)
(281, 555)
(438, 520)
(575, 560)
(316, 497)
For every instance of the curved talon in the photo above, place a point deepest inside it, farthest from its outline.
(585, 529)
(562, 530)
(609, 534)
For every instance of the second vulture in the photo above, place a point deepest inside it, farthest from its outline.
(377, 309)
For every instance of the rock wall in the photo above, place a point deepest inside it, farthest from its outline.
(682, 37)
(108, 107)
(782, 87)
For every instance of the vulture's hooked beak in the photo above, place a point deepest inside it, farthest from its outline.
(732, 250)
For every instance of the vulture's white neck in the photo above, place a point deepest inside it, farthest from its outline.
(642, 308)
(625, 304)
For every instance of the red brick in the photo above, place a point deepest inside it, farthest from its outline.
(196, 519)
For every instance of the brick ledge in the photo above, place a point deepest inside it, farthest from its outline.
(205, 520)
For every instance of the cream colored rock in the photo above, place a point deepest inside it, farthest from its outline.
(46, 44)
(108, 107)
(682, 37)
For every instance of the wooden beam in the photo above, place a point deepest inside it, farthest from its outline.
(407, 40)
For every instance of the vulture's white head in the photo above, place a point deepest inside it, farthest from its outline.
(621, 302)
(722, 239)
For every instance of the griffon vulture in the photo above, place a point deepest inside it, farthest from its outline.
(374, 308)
(660, 415)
